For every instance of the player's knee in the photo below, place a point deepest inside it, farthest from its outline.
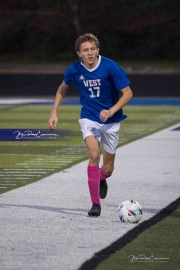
(94, 156)
(109, 168)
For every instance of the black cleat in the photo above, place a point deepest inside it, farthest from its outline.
(95, 211)
(103, 189)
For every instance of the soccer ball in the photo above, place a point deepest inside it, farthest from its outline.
(130, 211)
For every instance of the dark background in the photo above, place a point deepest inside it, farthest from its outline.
(46, 85)
(46, 30)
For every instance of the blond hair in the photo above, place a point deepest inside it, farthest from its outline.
(84, 38)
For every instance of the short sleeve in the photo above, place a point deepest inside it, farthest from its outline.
(118, 76)
(68, 75)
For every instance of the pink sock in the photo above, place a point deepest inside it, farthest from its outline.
(94, 182)
(103, 174)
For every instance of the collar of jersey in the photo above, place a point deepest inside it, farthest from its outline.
(97, 65)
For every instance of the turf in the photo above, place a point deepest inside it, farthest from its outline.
(156, 248)
(22, 163)
(36, 160)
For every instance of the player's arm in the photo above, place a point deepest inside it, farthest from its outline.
(124, 99)
(62, 89)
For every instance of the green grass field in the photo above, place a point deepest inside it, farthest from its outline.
(22, 163)
(161, 241)
(44, 158)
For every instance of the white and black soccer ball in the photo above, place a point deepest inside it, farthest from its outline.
(130, 211)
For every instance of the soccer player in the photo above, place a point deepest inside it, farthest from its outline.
(104, 91)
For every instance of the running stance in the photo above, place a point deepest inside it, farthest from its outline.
(104, 91)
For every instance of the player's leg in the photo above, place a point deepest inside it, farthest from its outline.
(108, 164)
(91, 137)
(105, 172)
(109, 142)
(92, 144)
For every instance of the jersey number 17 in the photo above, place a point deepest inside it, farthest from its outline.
(95, 91)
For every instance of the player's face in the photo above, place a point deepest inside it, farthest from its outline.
(88, 53)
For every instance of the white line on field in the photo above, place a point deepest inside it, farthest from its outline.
(15, 178)
(21, 169)
(20, 175)
(10, 179)
(9, 184)
(24, 172)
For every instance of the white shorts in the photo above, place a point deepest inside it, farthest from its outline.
(107, 134)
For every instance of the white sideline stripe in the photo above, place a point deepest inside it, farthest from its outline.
(12, 172)
(15, 101)
(8, 184)
(52, 213)
(42, 165)
(56, 159)
(27, 169)
(23, 154)
(6, 181)
(19, 174)
(49, 161)
(16, 178)
(46, 160)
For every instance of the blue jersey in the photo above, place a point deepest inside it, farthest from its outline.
(99, 87)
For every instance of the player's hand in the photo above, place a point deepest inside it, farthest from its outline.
(52, 122)
(104, 115)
